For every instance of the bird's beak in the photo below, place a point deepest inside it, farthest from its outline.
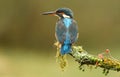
(49, 13)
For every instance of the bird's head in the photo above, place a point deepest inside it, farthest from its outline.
(61, 12)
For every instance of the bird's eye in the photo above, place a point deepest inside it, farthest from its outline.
(60, 13)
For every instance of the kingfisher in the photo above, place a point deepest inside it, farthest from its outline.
(66, 30)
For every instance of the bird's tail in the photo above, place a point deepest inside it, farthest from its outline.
(65, 48)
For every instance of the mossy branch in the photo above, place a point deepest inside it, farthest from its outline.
(105, 62)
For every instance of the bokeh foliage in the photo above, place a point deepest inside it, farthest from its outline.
(21, 23)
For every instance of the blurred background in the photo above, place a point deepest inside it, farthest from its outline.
(27, 37)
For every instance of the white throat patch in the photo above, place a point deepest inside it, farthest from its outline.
(66, 16)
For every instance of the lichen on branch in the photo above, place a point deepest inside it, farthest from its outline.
(105, 62)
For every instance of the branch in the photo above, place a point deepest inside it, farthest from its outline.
(106, 62)
(103, 60)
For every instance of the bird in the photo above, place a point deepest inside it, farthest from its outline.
(66, 30)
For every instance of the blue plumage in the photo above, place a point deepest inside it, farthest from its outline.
(66, 46)
(66, 33)
(67, 22)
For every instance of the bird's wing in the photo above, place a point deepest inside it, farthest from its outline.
(73, 31)
(60, 31)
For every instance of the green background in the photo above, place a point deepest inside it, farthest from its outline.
(27, 37)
